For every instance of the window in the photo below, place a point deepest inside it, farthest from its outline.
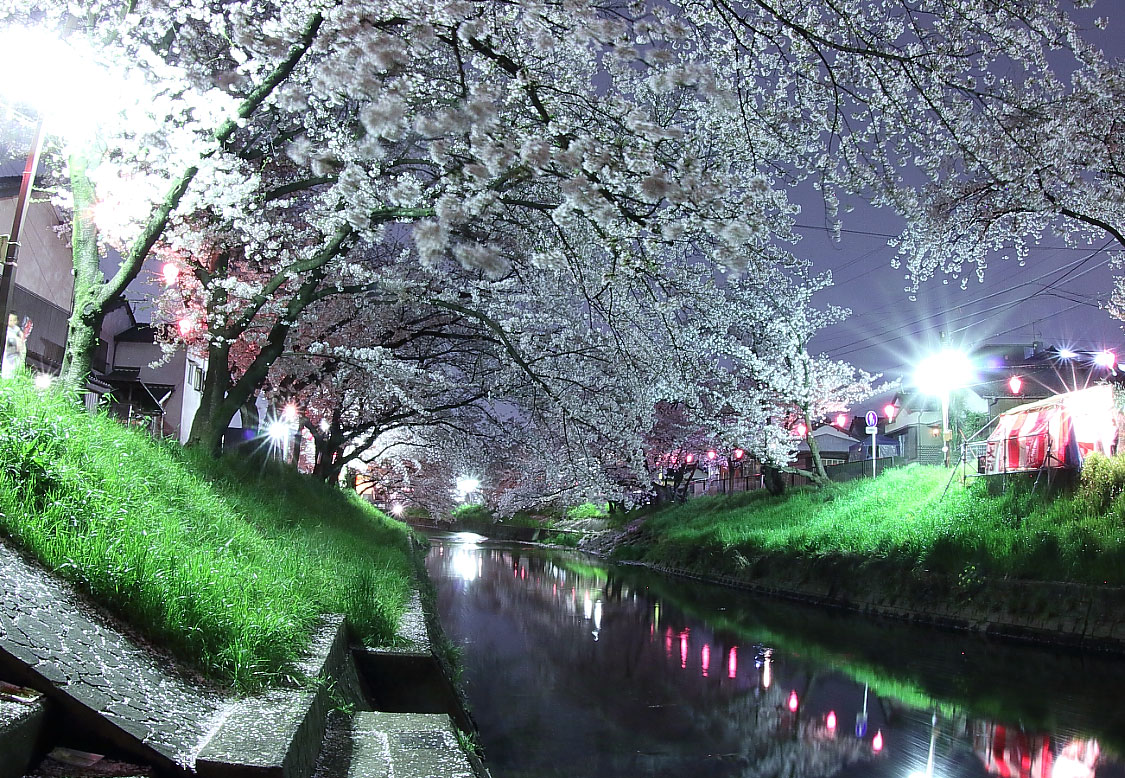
(195, 377)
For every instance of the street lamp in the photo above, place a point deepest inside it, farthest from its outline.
(941, 374)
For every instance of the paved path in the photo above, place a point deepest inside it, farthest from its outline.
(98, 672)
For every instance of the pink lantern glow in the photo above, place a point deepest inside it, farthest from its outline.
(841, 420)
(877, 742)
(186, 326)
(802, 430)
(171, 273)
(1015, 383)
(889, 411)
(739, 453)
(831, 721)
(712, 454)
(793, 701)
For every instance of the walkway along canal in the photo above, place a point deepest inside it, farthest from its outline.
(580, 669)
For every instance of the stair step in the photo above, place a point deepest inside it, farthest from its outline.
(399, 745)
(279, 734)
(23, 713)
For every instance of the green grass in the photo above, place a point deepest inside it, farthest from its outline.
(906, 516)
(227, 563)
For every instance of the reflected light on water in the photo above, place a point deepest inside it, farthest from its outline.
(705, 659)
(468, 538)
(732, 662)
(465, 563)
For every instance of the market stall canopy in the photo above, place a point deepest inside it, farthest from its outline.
(1058, 432)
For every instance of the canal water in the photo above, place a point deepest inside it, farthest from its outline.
(575, 668)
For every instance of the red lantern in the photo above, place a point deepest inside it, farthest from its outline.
(793, 702)
(739, 453)
(1015, 383)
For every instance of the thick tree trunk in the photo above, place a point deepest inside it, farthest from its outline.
(89, 310)
(216, 407)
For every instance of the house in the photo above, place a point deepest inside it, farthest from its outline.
(43, 288)
(833, 444)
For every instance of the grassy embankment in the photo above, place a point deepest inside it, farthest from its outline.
(901, 519)
(227, 563)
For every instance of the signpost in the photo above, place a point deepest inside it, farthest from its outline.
(872, 420)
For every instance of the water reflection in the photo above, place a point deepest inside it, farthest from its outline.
(578, 670)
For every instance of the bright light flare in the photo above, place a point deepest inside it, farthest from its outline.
(1067, 353)
(397, 509)
(290, 413)
(712, 454)
(793, 703)
(830, 722)
(43, 381)
(186, 326)
(841, 420)
(1105, 358)
(877, 742)
(64, 81)
(278, 431)
(466, 486)
(171, 273)
(889, 410)
(739, 453)
(943, 372)
(1015, 383)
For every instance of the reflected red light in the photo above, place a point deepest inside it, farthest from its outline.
(739, 453)
(705, 659)
(831, 721)
(793, 702)
(683, 649)
(732, 662)
(877, 742)
(668, 643)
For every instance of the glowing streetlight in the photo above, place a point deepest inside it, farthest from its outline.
(466, 486)
(941, 374)
(1105, 358)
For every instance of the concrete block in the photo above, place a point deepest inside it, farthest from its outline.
(22, 717)
(406, 745)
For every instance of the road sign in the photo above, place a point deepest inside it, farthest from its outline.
(871, 418)
(871, 430)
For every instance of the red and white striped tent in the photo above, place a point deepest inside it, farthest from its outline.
(1058, 432)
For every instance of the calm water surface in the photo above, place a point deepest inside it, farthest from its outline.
(578, 669)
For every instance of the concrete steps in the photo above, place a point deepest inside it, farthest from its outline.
(330, 730)
(371, 744)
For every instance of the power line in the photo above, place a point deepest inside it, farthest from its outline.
(850, 347)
